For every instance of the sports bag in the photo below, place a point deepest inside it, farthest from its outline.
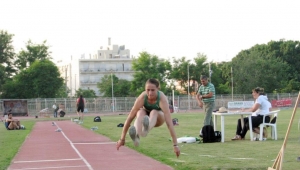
(97, 119)
(208, 134)
(218, 136)
(62, 113)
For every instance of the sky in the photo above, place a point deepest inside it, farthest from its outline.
(220, 29)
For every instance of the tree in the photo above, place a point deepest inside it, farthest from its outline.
(85, 93)
(253, 68)
(180, 71)
(7, 54)
(31, 53)
(40, 80)
(149, 66)
(120, 86)
(62, 92)
(184, 70)
(6, 49)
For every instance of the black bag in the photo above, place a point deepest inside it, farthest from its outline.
(120, 125)
(208, 134)
(62, 113)
(97, 119)
(175, 121)
(218, 136)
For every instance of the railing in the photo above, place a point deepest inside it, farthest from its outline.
(124, 104)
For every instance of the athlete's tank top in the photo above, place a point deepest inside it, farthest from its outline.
(154, 106)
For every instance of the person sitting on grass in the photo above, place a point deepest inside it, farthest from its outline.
(12, 124)
(151, 109)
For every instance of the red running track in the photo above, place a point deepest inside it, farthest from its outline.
(76, 148)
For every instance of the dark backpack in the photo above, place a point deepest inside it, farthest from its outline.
(120, 125)
(62, 113)
(97, 119)
(218, 136)
(175, 121)
(208, 134)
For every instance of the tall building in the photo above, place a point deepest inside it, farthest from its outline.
(86, 71)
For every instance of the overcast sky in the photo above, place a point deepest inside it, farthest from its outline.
(220, 29)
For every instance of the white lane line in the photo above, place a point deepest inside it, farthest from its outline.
(53, 160)
(54, 167)
(99, 143)
(241, 158)
(84, 160)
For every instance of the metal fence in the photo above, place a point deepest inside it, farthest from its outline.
(124, 104)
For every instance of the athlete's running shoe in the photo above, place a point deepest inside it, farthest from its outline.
(134, 136)
(145, 130)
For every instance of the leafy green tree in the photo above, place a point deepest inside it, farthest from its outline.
(120, 86)
(225, 87)
(292, 86)
(62, 92)
(184, 70)
(288, 51)
(149, 66)
(40, 80)
(88, 93)
(253, 68)
(180, 73)
(7, 55)
(32, 52)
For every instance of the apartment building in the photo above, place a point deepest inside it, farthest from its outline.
(86, 71)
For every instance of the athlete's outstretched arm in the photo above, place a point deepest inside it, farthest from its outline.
(164, 105)
(138, 104)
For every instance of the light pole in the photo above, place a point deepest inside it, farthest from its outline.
(112, 93)
(231, 84)
(75, 85)
(210, 72)
(173, 96)
(188, 69)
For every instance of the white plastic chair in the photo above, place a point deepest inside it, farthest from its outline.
(272, 125)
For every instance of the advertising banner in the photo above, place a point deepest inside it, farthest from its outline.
(16, 107)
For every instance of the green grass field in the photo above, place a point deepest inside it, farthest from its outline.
(230, 155)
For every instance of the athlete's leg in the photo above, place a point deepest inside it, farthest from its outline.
(136, 130)
(138, 121)
(82, 114)
(78, 109)
(157, 118)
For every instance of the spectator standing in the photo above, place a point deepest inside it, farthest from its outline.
(55, 109)
(206, 99)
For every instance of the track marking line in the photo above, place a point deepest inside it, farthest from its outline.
(84, 160)
(54, 167)
(54, 160)
(241, 158)
(211, 156)
(96, 143)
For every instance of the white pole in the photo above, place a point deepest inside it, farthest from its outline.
(173, 98)
(231, 84)
(189, 86)
(75, 85)
(209, 72)
(112, 92)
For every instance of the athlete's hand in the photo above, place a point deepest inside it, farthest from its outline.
(177, 151)
(120, 143)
